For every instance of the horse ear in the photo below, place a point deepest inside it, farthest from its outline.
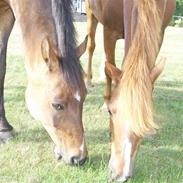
(157, 70)
(45, 49)
(49, 52)
(113, 72)
(82, 47)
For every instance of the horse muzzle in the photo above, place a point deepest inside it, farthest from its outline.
(73, 160)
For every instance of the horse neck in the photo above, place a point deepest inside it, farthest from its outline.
(147, 34)
(35, 21)
(34, 62)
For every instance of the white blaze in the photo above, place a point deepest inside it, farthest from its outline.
(127, 148)
(82, 146)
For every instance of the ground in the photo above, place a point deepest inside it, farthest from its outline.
(28, 157)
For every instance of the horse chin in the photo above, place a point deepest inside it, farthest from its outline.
(123, 179)
(117, 178)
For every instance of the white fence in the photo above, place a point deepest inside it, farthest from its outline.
(79, 6)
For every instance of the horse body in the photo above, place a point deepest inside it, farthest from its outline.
(100, 9)
(54, 74)
(141, 23)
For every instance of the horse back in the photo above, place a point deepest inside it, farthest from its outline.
(109, 13)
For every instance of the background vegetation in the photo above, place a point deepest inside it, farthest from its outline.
(177, 19)
(179, 8)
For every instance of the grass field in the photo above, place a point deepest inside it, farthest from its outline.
(28, 158)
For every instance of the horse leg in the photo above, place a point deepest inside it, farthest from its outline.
(110, 39)
(109, 46)
(6, 25)
(91, 28)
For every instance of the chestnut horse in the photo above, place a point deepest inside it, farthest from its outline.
(56, 90)
(141, 23)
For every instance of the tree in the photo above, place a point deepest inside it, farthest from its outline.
(179, 8)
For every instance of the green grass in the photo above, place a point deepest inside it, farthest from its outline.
(28, 158)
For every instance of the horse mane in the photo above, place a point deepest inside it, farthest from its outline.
(66, 36)
(136, 85)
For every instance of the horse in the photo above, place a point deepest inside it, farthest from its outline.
(141, 23)
(56, 91)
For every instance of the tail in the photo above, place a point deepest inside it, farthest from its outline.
(136, 83)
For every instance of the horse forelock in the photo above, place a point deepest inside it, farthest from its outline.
(136, 87)
(66, 42)
(135, 103)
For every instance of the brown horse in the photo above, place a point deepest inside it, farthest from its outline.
(141, 23)
(56, 90)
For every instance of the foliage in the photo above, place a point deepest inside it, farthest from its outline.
(179, 8)
(176, 20)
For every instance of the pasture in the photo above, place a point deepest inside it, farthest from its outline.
(28, 158)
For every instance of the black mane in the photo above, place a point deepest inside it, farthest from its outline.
(69, 63)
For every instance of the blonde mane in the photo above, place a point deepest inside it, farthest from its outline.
(136, 85)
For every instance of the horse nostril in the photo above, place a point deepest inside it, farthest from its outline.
(57, 154)
(76, 160)
(82, 161)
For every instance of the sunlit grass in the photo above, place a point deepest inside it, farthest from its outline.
(28, 158)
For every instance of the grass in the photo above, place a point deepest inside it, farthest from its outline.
(28, 157)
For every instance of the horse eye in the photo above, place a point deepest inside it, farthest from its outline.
(58, 107)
